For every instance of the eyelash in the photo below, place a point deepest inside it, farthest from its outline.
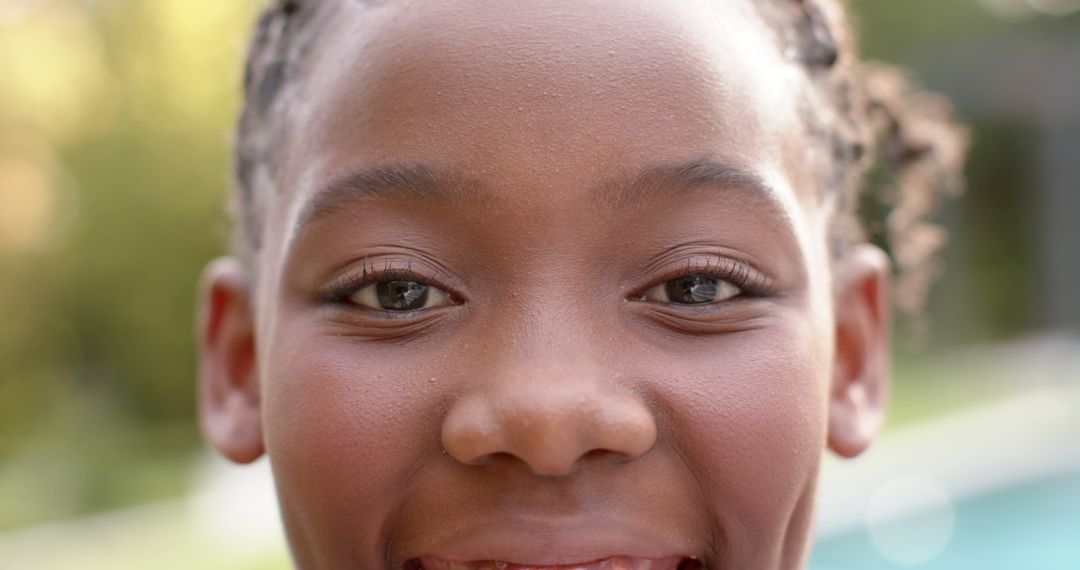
(750, 281)
(344, 286)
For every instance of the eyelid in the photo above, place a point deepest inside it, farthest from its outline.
(353, 278)
(751, 281)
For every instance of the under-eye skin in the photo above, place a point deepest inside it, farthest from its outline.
(705, 296)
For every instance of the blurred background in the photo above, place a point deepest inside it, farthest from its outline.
(115, 120)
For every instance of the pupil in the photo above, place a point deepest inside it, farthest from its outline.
(401, 295)
(692, 289)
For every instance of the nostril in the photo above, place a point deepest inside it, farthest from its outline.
(491, 458)
(690, 564)
(597, 455)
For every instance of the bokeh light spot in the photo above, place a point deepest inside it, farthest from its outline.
(1055, 7)
(910, 520)
(54, 97)
(27, 203)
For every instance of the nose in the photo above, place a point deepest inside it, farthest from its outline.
(549, 418)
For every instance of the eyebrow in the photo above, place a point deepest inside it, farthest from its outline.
(420, 181)
(668, 179)
(415, 181)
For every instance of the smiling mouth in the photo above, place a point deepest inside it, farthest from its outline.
(608, 563)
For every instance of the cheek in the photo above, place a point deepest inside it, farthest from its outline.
(345, 422)
(749, 415)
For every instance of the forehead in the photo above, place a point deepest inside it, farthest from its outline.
(540, 100)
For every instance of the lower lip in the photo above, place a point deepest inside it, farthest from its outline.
(611, 563)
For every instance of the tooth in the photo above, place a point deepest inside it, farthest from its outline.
(611, 563)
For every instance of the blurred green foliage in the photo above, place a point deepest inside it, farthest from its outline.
(114, 146)
(114, 152)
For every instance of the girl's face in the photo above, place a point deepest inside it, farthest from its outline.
(545, 284)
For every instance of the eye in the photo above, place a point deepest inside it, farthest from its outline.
(693, 290)
(399, 295)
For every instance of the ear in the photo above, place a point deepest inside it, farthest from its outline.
(229, 410)
(861, 368)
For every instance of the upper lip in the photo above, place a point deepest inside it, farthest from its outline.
(536, 542)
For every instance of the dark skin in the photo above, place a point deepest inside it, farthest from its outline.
(546, 284)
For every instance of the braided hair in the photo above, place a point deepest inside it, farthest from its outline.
(872, 117)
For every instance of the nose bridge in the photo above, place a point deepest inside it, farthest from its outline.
(548, 388)
(547, 410)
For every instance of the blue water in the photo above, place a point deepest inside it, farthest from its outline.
(1032, 527)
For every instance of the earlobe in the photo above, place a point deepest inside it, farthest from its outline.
(228, 398)
(861, 369)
